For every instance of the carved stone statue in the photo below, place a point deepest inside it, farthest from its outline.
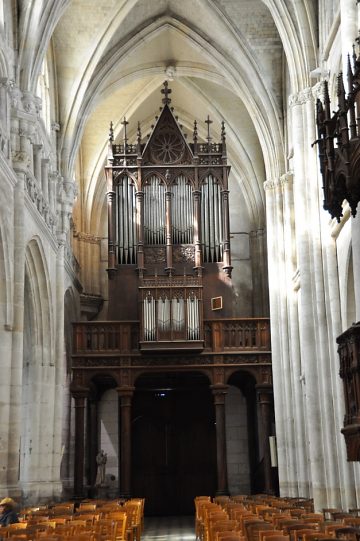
(101, 459)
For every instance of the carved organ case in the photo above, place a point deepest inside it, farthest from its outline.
(168, 231)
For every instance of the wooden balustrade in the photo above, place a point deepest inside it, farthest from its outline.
(231, 334)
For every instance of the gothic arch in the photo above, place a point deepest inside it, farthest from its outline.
(37, 404)
(298, 39)
(6, 271)
(35, 30)
(38, 276)
(262, 109)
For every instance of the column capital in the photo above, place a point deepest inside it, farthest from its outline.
(125, 390)
(219, 391)
(264, 392)
(301, 97)
(79, 392)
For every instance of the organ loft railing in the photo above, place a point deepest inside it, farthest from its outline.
(168, 215)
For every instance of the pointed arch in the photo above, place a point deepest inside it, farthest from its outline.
(39, 282)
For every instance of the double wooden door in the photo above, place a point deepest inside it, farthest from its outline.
(173, 442)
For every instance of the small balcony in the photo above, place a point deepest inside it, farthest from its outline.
(218, 336)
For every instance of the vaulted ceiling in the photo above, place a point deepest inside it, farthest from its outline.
(235, 60)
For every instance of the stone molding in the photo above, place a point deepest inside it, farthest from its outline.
(286, 178)
(301, 97)
(87, 237)
(42, 206)
(270, 184)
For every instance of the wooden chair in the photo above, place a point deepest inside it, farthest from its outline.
(276, 538)
(221, 526)
(221, 500)
(269, 534)
(329, 511)
(120, 518)
(253, 530)
(229, 536)
(348, 532)
(17, 526)
(301, 529)
(86, 506)
(330, 529)
(315, 536)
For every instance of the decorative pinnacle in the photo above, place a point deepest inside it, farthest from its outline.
(166, 91)
(223, 132)
(139, 132)
(125, 123)
(195, 133)
(208, 122)
(111, 132)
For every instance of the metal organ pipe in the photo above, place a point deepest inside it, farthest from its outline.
(211, 220)
(125, 222)
(181, 215)
(154, 212)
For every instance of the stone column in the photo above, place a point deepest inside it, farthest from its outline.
(37, 162)
(307, 325)
(53, 178)
(21, 161)
(45, 178)
(301, 481)
(265, 399)
(79, 398)
(125, 393)
(258, 266)
(219, 391)
(60, 363)
(280, 337)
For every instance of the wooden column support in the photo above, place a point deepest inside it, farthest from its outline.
(265, 400)
(219, 391)
(79, 396)
(125, 394)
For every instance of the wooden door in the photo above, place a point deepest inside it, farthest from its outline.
(173, 442)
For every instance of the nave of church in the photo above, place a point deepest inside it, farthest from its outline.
(179, 251)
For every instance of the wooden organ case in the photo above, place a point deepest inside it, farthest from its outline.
(169, 238)
(171, 307)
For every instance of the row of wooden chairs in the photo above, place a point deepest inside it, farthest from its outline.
(259, 518)
(91, 521)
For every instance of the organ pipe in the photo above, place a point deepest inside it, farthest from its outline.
(182, 214)
(154, 212)
(211, 220)
(125, 222)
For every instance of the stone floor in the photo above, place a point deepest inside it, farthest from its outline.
(169, 529)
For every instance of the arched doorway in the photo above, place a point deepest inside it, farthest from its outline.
(173, 441)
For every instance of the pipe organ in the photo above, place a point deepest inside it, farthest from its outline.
(168, 229)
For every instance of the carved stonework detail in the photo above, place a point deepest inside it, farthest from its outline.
(35, 193)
